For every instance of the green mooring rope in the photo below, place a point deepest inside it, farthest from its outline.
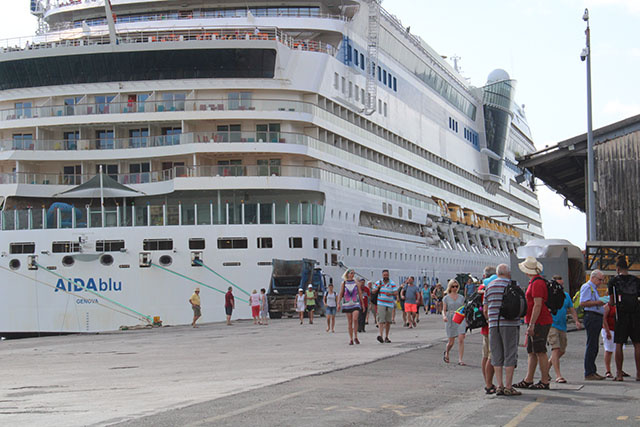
(222, 277)
(193, 280)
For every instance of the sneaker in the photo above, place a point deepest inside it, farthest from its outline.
(387, 340)
(380, 340)
(594, 377)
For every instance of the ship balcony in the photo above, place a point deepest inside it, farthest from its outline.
(23, 143)
(160, 110)
(184, 38)
(66, 216)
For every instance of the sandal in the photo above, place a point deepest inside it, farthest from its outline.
(500, 391)
(490, 390)
(561, 380)
(624, 374)
(351, 342)
(608, 375)
(511, 392)
(462, 364)
(445, 357)
(523, 384)
(618, 379)
(539, 386)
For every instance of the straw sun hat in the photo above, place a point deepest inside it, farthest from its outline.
(530, 266)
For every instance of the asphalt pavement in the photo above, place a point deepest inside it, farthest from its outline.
(287, 374)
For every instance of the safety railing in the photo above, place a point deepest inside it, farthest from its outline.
(154, 106)
(160, 35)
(64, 215)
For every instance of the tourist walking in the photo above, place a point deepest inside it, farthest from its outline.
(310, 302)
(452, 301)
(366, 293)
(624, 291)
(264, 307)
(593, 315)
(387, 292)
(426, 297)
(410, 297)
(503, 334)
(195, 305)
(488, 276)
(538, 320)
(373, 305)
(300, 305)
(469, 288)
(229, 304)
(557, 339)
(350, 299)
(254, 302)
(330, 306)
(437, 295)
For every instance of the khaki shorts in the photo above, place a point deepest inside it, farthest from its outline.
(196, 311)
(557, 339)
(384, 314)
(486, 349)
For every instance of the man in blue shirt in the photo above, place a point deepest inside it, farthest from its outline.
(593, 314)
(557, 338)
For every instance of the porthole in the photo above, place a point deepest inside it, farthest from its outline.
(14, 264)
(165, 260)
(106, 259)
(68, 261)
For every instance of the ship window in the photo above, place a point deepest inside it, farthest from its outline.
(23, 110)
(62, 247)
(22, 248)
(138, 138)
(104, 139)
(157, 244)
(324, 243)
(295, 242)
(231, 264)
(23, 141)
(315, 243)
(197, 243)
(239, 100)
(384, 77)
(355, 56)
(71, 140)
(233, 243)
(343, 82)
(395, 85)
(400, 211)
(172, 102)
(339, 244)
(111, 170)
(109, 245)
(385, 109)
(410, 214)
(379, 73)
(336, 81)
(265, 243)
(71, 175)
(268, 132)
(390, 82)
(102, 103)
(357, 93)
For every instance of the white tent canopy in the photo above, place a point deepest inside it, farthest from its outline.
(93, 188)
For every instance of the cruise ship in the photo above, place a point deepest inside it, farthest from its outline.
(151, 146)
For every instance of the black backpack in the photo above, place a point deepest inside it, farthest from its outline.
(555, 296)
(473, 312)
(514, 303)
(625, 290)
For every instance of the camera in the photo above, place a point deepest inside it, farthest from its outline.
(583, 55)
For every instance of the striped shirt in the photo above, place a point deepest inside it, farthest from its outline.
(385, 293)
(493, 298)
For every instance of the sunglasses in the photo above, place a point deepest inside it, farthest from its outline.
(454, 287)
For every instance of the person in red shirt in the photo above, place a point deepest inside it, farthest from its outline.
(229, 304)
(366, 293)
(538, 320)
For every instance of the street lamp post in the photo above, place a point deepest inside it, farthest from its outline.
(591, 196)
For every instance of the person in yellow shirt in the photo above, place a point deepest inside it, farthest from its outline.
(195, 305)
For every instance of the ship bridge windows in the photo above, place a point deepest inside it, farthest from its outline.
(65, 247)
(157, 244)
(22, 248)
(109, 245)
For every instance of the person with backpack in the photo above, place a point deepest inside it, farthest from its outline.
(593, 314)
(624, 290)
(538, 320)
(557, 339)
(503, 333)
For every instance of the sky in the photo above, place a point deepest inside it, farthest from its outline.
(538, 42)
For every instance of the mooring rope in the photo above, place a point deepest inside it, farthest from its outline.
(221, 276)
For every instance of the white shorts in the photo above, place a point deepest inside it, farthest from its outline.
(609, 345)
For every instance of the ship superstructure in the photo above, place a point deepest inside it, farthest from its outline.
(230, 134)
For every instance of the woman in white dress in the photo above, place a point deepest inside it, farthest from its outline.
(300, 304)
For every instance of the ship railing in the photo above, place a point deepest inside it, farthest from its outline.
(290, 12)
(142, 215)
(145, 141)
(226, 170)
(163, 35)
(172, 104)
